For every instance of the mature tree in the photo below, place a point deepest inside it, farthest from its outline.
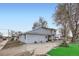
(61, 18)
(68, 16)
(40, 23)
(74, 20)
(35, 25)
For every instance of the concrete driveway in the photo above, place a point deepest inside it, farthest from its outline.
(39, 49)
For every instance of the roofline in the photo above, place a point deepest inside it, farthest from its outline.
(43, 28)
(38, 33)
(48, 28)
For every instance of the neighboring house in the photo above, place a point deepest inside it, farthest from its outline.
(38, 35)
(3, 38)
(15, 35)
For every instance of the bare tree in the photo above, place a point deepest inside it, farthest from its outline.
(74, 20)
(40, 23)
(68, 16)
(35, 25)
(61, 18)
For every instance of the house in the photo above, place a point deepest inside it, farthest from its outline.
(38, 35)
(15, 35)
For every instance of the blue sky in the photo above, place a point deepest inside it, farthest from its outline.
(20, 17)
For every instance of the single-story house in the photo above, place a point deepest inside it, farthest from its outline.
(38, 35)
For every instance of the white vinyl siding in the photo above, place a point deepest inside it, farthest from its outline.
(35, 38)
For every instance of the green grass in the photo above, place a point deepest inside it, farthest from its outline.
(72, 50)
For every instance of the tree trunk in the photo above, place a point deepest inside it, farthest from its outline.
(73, 39)
(65, 37)
(65, 44)
(75, 36)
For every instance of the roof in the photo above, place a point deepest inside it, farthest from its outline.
(31, 33)
(44, 28)
(48, 28)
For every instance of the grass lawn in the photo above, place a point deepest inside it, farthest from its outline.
(72, 50)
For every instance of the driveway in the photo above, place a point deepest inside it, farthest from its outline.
(39, 49)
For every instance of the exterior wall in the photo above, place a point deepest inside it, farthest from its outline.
(33, 38)
(54, 34)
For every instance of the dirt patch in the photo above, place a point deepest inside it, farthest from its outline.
(11, 44)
